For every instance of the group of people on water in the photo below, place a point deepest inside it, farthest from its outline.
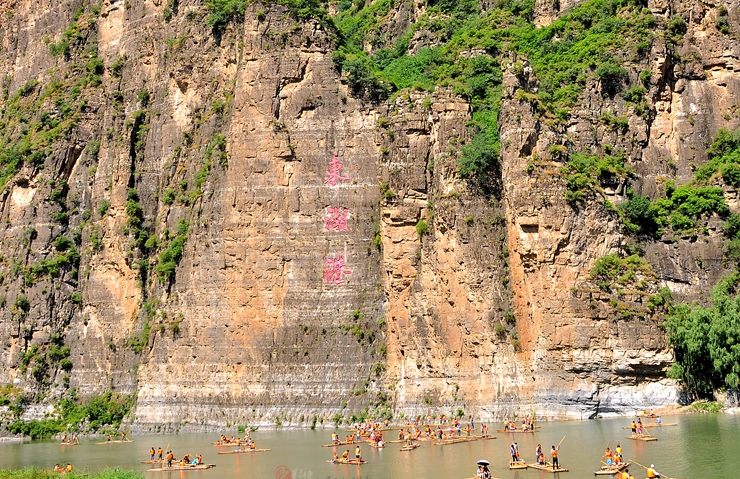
(186, 460)
(70, 440)
(613, 458)
(153, 452)
(539, 455)
(345, 456)
(527, 424)
(109, 438)
(61, 469)
(170, 457)
(483, 472)
(651, 473)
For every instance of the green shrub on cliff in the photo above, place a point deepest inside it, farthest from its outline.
(724, 158)
(585, 173)
(222, 12)
(631, 271)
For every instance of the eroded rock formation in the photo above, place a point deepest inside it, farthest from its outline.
(397, 286)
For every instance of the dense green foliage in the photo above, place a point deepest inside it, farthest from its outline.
(684, 206)
(588, 43)
(706, 340)
(585, 172)
(33, 473)
(724, 159)
(170, 257)
(631, 271)
(106, 410)
(223, 12)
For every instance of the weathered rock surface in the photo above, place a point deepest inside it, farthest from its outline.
(436, 275)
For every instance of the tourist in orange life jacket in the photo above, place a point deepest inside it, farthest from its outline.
(554, 454)
(651, 472)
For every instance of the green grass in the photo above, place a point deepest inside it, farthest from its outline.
(706, 406)
(34, 473)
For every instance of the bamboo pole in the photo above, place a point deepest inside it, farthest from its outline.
(662, 476)
(561, 441)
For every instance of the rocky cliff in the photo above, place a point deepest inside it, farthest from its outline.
(209, 214)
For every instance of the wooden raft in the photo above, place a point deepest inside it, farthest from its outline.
(194, 467)
(546, 468)
(242, 451)
(611, 470)
(410, 447)
(653, 424)
(343, 443)
(351, 461)
(638, 437)
(515, 430)
(455, 440)
(517, 465)
(114, 442)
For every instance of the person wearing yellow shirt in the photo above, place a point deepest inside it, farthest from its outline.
(625, 474)
(652, 473)
(69, 467)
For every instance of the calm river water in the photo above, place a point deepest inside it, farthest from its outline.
(701, 446)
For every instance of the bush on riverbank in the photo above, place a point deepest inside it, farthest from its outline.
(706, 406)
(34, 473)
(102, 413)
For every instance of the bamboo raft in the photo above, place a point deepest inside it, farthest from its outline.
(654, 424)
(114, 442)
(189, 467)
(410, 447)
(547, 468)
(515, 430)
(376, 445)
(517, 465)
(455, 440)
(611, 470)
(229, 444)
(343, 443)
(242, 451)
(67, 444)
(485, 437)
(351, 461)
(638, 437)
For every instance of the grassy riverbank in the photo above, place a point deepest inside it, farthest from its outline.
(34, 473)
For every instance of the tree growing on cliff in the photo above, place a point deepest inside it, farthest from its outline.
(706, 340)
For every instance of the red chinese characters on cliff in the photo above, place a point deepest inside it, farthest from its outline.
(334, 269)
(333, 174)
(336, 219)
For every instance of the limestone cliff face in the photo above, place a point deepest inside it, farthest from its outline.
(328, 258)
(584, 356)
